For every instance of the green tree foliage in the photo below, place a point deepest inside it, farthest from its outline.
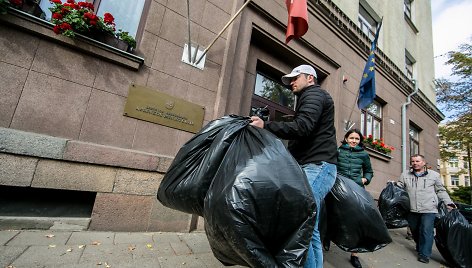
(456, 95)
(461, 194)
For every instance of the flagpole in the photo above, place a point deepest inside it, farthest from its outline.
(221, 32)
(348, 125)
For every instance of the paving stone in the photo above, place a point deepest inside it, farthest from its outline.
(6, 235)
(47, 256)
(125, 238)
(110, 254)
(196, 243)
(39, 238)
(9, 253)
(89, 238)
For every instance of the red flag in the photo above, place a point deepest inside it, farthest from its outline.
(297, 19)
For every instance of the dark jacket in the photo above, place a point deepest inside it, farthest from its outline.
(354, 163)
(311, 134)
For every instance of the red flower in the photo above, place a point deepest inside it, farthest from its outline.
(86, 5)
(66, 26)
(56, 16)
(108, 18)
(57, 29)
(71, 1)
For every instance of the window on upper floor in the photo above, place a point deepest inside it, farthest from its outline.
(453, 162)
(414, 140)
(371, 120)
(466, 162)
(407, 8)
(409, 65)
(367, 23)
(127, 14)
(454, 180)
(467, 180)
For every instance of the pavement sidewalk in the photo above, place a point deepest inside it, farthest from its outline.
(46, 248)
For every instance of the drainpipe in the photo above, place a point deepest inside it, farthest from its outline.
(404, 124)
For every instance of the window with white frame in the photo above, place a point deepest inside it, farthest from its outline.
(414, 140)
(467, 180)
(454, 180)
(453, 162)
(371, 120)
(127, 14)
(367, 23)
(407, 8)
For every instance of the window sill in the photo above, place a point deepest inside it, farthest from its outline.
(378, 155)
(43, 28)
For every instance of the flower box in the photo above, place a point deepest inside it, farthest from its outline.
(112, 40)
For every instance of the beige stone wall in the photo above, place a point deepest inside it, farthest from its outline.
(62, 100)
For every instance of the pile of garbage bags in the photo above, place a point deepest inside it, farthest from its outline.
(258, 208)
(453, 237)
(257, 204)
(394, 206)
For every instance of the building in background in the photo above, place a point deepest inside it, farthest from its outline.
(68, 147)
(455, 171)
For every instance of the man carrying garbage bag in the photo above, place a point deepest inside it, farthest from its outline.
(425, 190)
(312, 141)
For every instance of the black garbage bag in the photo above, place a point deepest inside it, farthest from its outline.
(259, 210)
(465, 210)
(394, 206)
(188, 178)
(354, 222)
(453, 237)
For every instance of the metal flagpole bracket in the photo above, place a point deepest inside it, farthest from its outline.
(348, 124)
(195, 53)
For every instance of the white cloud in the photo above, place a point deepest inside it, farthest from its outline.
(452, 22)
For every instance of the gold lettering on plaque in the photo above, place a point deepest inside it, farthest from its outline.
(158, 107)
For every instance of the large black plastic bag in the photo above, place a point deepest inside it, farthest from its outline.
(259, 210)
(394, 206)
(188, 178)
(354, 222)
(454, 237)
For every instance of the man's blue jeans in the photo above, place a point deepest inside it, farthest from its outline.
(422, 229)
(321, 179)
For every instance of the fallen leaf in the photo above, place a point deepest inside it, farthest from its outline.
(52, 246)
(49, 236)
(149, 245)
(100, 263)
(131, 248)
(69, 250)
(81, 246)
(96, 243)
(106, 265)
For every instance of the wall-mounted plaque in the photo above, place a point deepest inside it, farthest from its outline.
(158, 107)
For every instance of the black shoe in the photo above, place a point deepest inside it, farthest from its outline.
(355, 262)
(423, 259)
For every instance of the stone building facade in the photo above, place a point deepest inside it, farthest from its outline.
(62, 122)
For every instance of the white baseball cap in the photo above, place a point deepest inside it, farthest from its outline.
(302, 69)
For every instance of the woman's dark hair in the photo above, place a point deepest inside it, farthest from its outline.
(354, 130)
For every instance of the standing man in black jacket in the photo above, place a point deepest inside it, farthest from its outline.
(312, 141)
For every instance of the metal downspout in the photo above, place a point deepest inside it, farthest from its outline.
(404, 124)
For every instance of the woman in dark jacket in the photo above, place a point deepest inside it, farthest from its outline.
(354, 163)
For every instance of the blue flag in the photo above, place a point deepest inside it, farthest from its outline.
(367, 86)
